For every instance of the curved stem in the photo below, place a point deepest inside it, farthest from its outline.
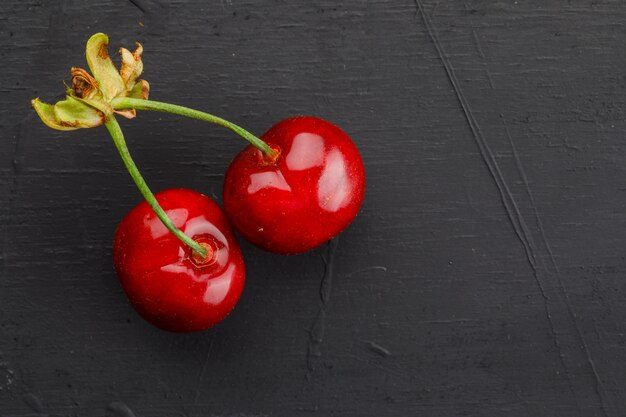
(118, 138)
(127, 103)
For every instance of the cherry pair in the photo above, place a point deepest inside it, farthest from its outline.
(176, 254)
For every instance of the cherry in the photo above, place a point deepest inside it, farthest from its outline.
(304, 194)
(166, 282)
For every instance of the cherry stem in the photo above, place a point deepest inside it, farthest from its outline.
(118, 138)
(127, 103)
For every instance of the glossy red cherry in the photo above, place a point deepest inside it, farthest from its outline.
(168, 284)
(307, 195)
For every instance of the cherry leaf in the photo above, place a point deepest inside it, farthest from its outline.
(46, 113)
(109, 80)
(75, 113)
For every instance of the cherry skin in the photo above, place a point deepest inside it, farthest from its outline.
(303, 198)
(166, 282)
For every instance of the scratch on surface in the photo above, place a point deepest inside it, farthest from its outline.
(520, 228)
(432, 12)
(34, 403)
(118, 409)
(376, 348)
(599, 387)
(368, 269)
(318, 327)
(480, 51)
(485, 151)
(538, 280)
(482, 55)
(156, 13)
(477, 43)
(139, 5)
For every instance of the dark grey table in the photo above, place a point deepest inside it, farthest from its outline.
(485, 275)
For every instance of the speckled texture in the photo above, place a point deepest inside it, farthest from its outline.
(484, 275)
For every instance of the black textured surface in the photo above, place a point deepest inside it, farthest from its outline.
(485, 275)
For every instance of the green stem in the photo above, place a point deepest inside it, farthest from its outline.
(127, 103)
(118, 138)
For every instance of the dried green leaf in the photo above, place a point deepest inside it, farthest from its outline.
(110, 82)
(46, 113)
(75, 113)
(141, 90)
(132, 66)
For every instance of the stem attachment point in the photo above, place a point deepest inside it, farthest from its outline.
(270, 158)
(201, 260)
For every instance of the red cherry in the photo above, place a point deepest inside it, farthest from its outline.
(307, 195)
(168, 284)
